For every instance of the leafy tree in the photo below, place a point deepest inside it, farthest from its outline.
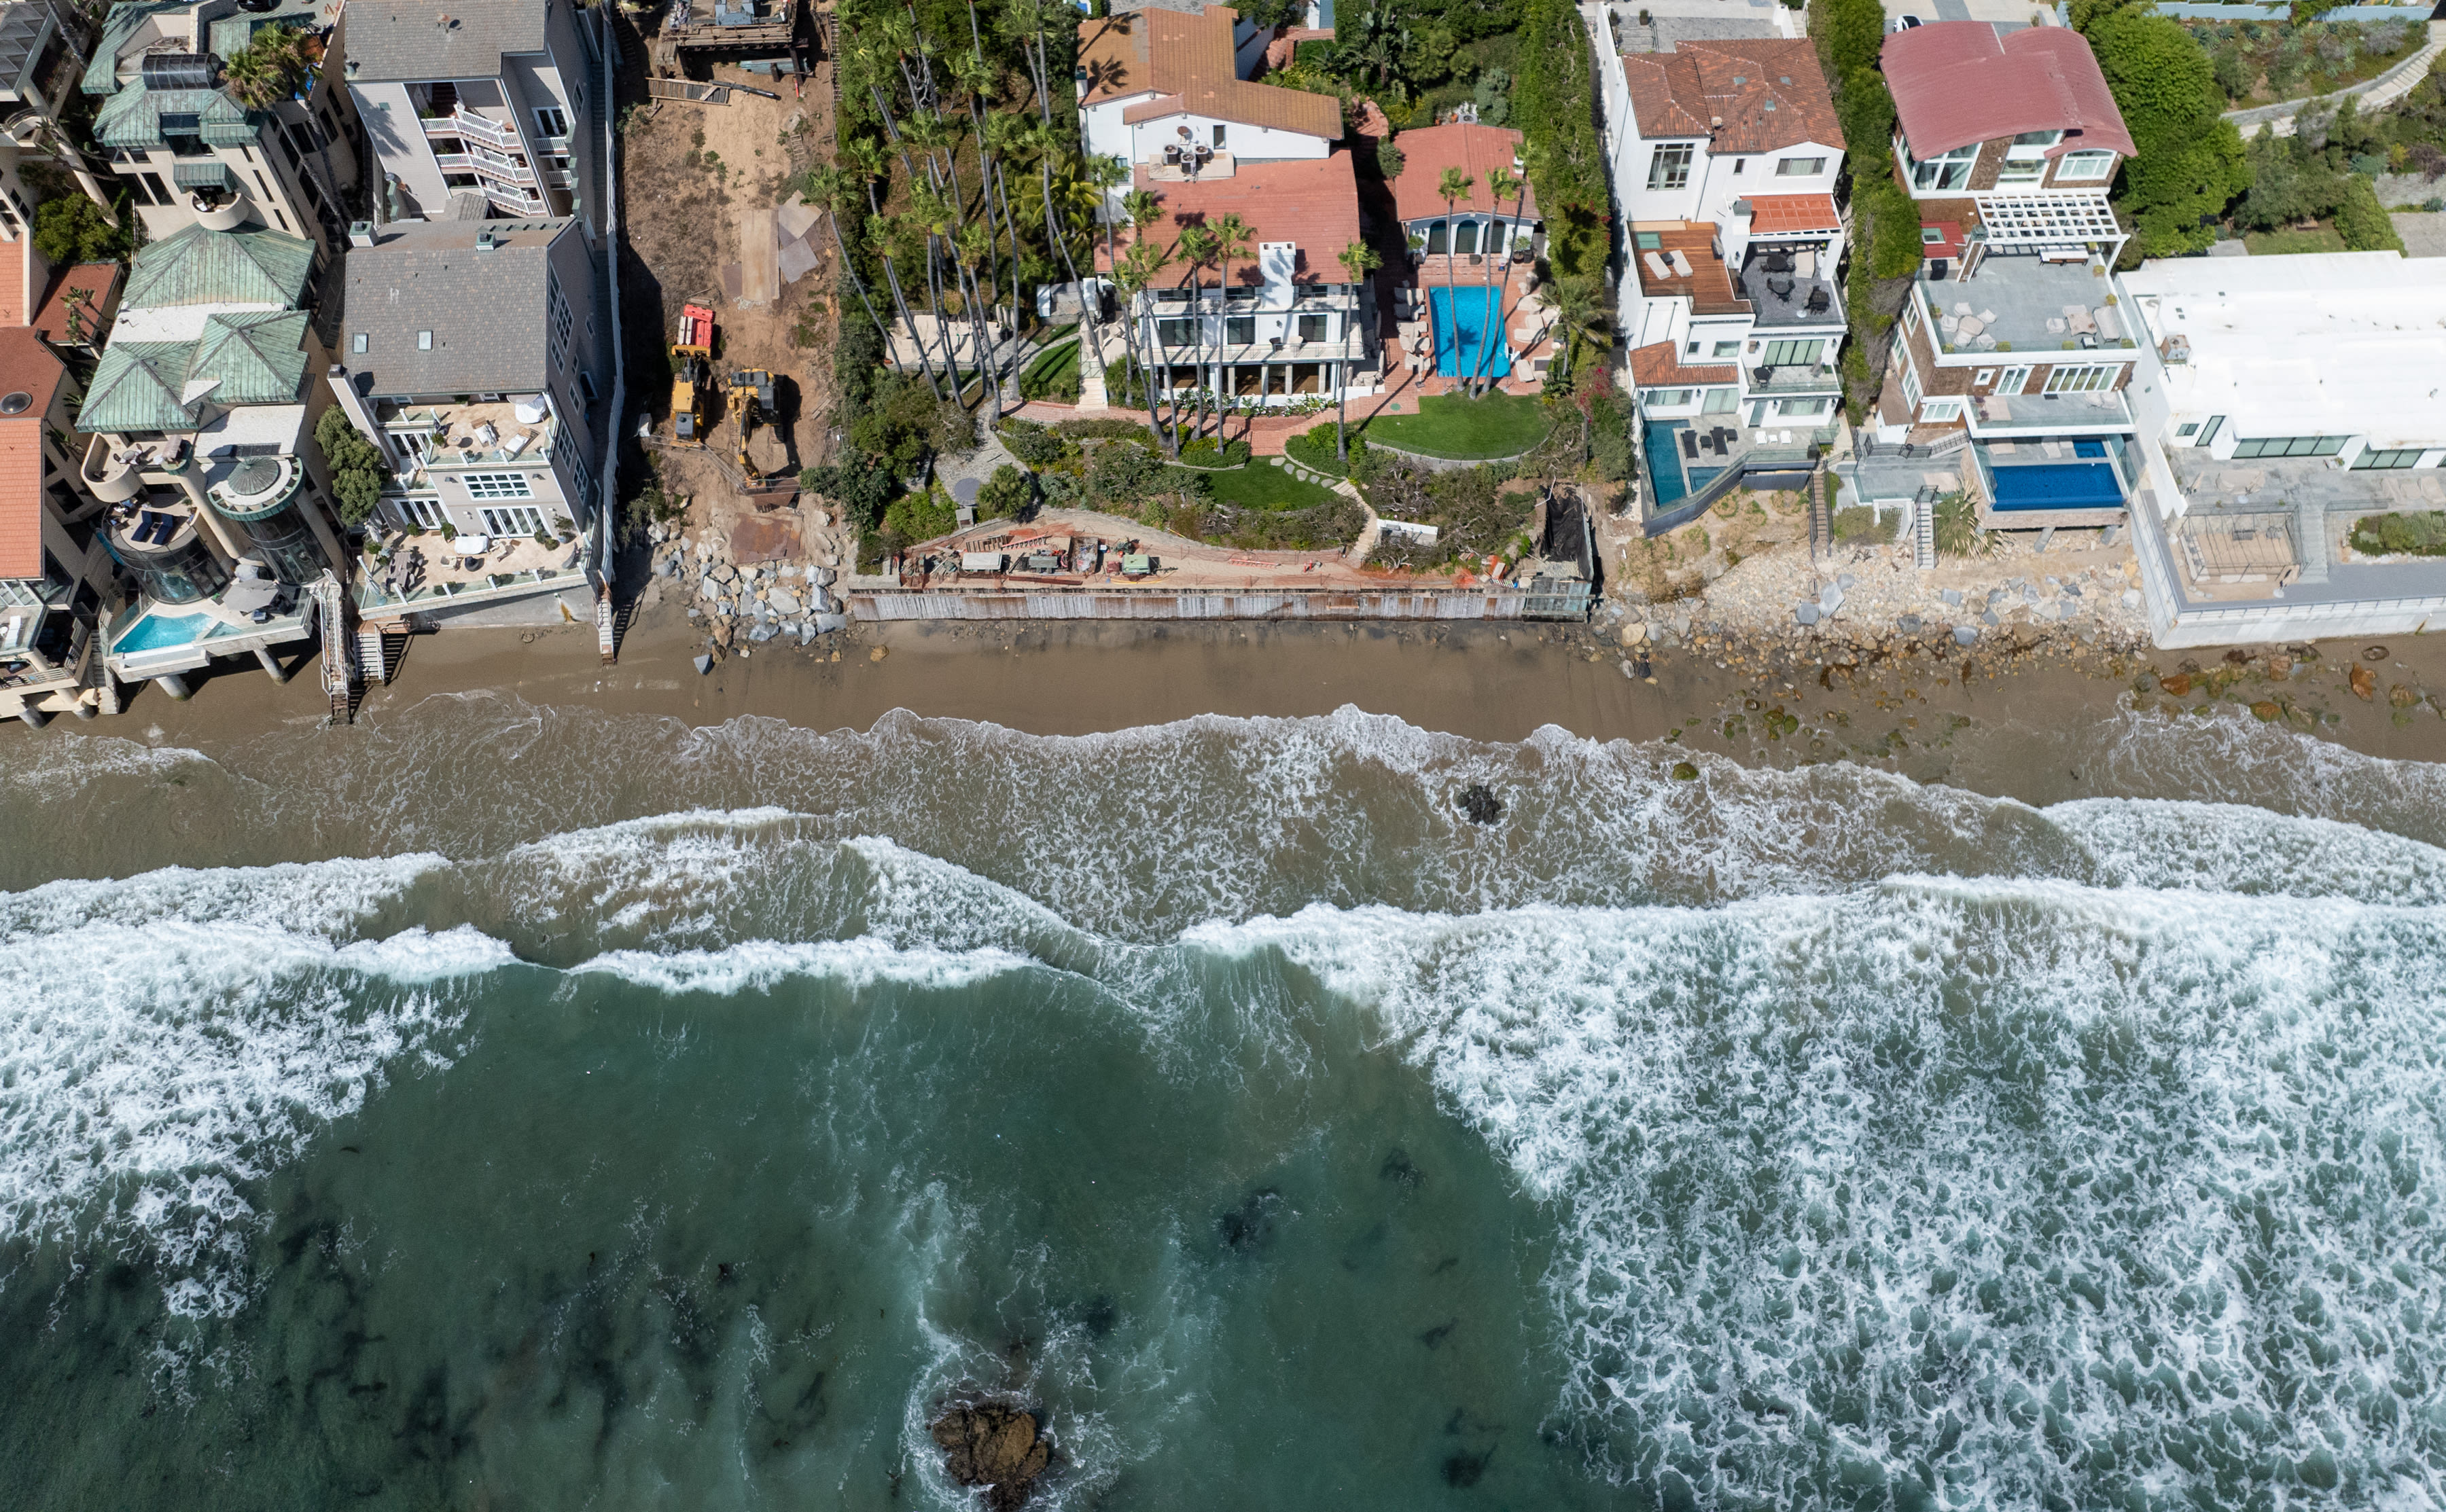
(357, 471)
(72, 229)
(1389, 160)
(858, 483)
(1854, 35)
(2362, 221)
(1564, 159)
(1124, 473)
(1492, 98)
(1005, 495)
(919, 517)
(2188, 163)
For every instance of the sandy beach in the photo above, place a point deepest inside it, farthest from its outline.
(1982, 720)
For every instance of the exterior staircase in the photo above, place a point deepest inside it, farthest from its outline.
(1092, 395)
(341, 676)
(1822, 519)
(1924, 528)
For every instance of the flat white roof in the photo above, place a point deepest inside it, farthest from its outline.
(2324, 344)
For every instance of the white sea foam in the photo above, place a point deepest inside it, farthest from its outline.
(167, 1038)
(2227, 847)
(692, 877)
(1969, 1178)
(758, 965)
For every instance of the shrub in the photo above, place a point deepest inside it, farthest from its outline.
(1008, 495)
(356, 464)
(2362, 222)
(1859, 525)
(1036, 445)
(72, 229)
(2422, 534)
(1209, 452)
(1111, 430)
(1124, 473)
(915, 517)
(1957, 528)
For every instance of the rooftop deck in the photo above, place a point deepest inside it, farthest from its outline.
(2049, 414)
(1708, 284)
(472, 435)
(2027, 308)
(411, 572)
(1788, 288)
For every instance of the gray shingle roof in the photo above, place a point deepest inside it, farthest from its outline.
(390, 40)
(485, 310)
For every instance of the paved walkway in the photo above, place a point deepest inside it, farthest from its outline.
(2385, 89)
(1265, 435)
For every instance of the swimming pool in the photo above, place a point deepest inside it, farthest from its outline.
(1464, 312)
(2059, 486)
(154, 631)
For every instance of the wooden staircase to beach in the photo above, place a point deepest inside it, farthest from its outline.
(1924, 528)
(1822, 521)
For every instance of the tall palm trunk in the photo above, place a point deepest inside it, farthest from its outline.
(856, 281)
(917, 340)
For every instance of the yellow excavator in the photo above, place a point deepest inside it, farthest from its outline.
(752, 400)
(691, 362)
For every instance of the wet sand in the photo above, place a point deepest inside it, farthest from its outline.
(1909, 712)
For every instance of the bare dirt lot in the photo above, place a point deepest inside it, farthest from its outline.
(693, 176)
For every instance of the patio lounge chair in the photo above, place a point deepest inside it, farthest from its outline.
(1656, 265)
(1680, 264)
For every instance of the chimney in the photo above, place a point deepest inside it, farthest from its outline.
(484, 241)
(361, 234)
(343, 387)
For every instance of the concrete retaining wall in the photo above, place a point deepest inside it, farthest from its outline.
(1157, 604)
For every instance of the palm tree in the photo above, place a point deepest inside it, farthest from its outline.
(1135, 273)
(933, 212)
(883, 237)
(1454, 186)
(1580, 314)
(1197, 247)
(1499, 182)
(830, 188)
(1358, 260)
(1230, 235)
(974, 244)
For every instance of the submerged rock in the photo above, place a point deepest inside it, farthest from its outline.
(994, 1446)
(1249, 1228)
(1479, 805)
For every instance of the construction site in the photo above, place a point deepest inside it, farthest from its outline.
(735, 109)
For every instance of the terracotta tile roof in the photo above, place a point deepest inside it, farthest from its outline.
(1791, 214)
(1955, 83)
(1313, 203)
(1191, 57)
(25, 365)
(1767, 92)
(1474, 150)
(13, 294)
(1659, 367)
(99, 283)
(1284, 50)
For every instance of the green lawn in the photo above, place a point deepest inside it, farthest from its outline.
(2319, 239)
(1260, 486)
(1315, 458)
(1052, 374)
(1449, 425)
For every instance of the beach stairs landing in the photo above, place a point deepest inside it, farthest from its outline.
(342, 679)
(607, 627)
(1924, 528)
(373, 654)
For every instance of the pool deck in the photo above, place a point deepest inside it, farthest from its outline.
(1529, 322)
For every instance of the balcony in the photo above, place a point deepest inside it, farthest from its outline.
(2008, 415)
(2022, 306)
(498, 135)
(1807, 378)
(1792, 288)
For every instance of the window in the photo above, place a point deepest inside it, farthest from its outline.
(1311, 327)
(419, 512)
(2084, 167)
(2209, 432)
(2186, 431)
(1803, 408)
(1179, 330)
(497, 485)
(1721, 402)
(1239, 331)
(1910, 386)
(1694, 348)
(2022, 170)
(1937, 411)
(2374, 460)
(1799, 167)
(1740, 163)
(1219, 136)
(563, 322)
(1983, 377)
(1950, 171)
(552, 121)
(1793, 354)
(2081, 380)
(357, 344)
(1670, 398)
(2291, 446)
(415, 443)
(1931, 236)
(524, 520)
(2033, 142)
(161, 190)
(1669, 166)
(1727, 349)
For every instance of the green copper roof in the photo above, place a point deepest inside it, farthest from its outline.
(119, 28)
(200, 267)
(133, 118)
(137, 388)
(259, 359)
(241, 359)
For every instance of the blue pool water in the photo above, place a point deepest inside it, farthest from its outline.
(2059, 486)
(1464, 313)
(2090, 448)
(155, 631)
(1665, 460)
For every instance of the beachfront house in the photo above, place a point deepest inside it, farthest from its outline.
(1724, 155)
(473, 110)
(198, 422)
(2292, 420)
(188, 142)
(55, 575)
(1472, 304)
(1283, 321)
(474, 356)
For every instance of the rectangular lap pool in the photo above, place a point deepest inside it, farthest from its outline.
(2059, 486)
(1468, 330)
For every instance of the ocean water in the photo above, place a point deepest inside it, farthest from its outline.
(517, 1107)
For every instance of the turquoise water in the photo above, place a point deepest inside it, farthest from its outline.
(1665, 460)
(1469, 334)
(515, 1106)
(157, 630)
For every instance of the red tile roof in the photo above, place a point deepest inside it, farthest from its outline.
(25, 365)
(99, 285)
(1191, 57)
(1755, 94)
(1955, 83)
(1659, 367)
(1791, 214)
(1474, 150)
(1284, 51)
(1314, 203)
